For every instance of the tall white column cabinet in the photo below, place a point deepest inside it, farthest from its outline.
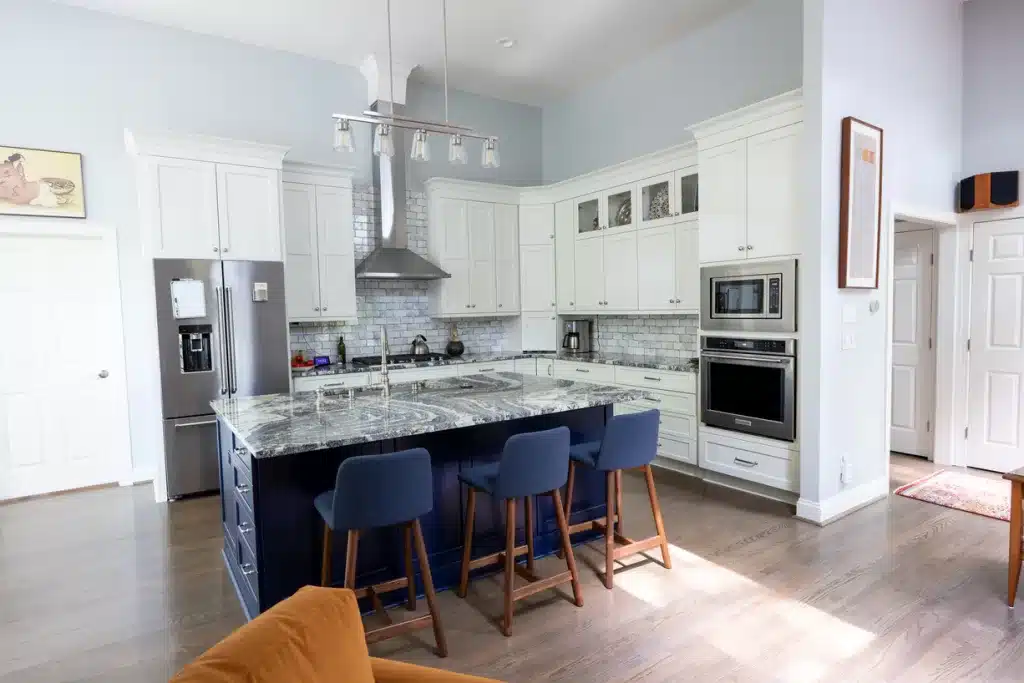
(537, 277)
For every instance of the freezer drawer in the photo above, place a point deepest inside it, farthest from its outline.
(190, 450)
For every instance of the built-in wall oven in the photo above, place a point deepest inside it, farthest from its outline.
(749, 297)
(749, 385)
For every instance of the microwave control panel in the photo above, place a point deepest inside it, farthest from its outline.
(774, 296)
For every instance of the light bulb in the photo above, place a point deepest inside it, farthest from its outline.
(383, 143)
(489, 157)
(457, 150)
(343, 139)
(420, 146)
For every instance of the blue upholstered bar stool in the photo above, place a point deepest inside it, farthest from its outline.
(630, 442)
(531, 464)
(375, 491)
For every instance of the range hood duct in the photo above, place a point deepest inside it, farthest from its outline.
(392, 260)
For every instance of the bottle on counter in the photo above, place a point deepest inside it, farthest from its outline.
(454, 347)
(341, 350)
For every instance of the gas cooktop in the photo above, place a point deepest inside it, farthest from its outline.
(399, 359)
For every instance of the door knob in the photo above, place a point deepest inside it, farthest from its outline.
(104, 374)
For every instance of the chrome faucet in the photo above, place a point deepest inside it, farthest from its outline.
(385, 380)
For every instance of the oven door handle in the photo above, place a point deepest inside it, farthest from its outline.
(740, 357)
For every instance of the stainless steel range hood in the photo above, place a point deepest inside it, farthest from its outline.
(392, 260)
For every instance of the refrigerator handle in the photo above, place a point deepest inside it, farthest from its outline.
(222, 338)
(232, 373)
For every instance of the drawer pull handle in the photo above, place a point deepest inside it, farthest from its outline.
(242, 489)
(581, 370)
(248, 569)
(652, 379)
(245, 527)
(652, 400)
(240, 452)
(745, 463)
(745, 423)
(660, 444)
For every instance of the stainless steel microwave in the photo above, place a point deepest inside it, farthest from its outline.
(749, 297)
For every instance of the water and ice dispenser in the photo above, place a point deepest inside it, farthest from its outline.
(194, 348)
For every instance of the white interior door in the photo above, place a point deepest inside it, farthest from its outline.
(64, 410)
(913, 360)
(997, 349)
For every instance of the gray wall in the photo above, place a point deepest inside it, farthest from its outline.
(993, 98)
(747, 56)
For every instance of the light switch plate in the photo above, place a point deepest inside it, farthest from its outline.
(849, 314)
(849, 340)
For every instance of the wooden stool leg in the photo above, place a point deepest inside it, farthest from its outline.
(570, 560)
(325, 563)
(618, 503)
(609, 532)
(410, 574)
(510, 558)
(568, 495)
(428, 590)
(659, 524)
(1016, 524)
(529, 532)
(351, 552)
(468, 543)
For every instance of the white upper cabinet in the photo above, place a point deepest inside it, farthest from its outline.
(540, 332)
(537, 283)
(723, 202)
(454, 229)
(589, 216)
(620, 272)
(656, 279)
(179, 197)
(250, 213)
(687, 268)
(536, 224)
(773, 167)
(565, 257)
(656, 201)
(589, 270)
(337, 263)
(302, 269)
(618, 205)
(506, 257)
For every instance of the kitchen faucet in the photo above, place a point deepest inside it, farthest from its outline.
(385, 380)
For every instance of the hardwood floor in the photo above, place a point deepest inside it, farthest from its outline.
(107, 586)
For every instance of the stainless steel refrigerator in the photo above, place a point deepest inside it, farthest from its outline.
(223, 332)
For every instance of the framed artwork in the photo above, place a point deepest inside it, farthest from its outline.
(41, 182)
(860, 204)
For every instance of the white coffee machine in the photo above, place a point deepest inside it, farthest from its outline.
(578, 335)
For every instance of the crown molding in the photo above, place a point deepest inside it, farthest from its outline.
(204, 148)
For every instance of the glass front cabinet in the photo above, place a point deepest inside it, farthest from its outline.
(667, 198)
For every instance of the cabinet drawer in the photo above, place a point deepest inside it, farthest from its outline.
(526, 366)
(346, 381)
(671, 425)
(241, 484)
(248, 583)
(241, 456)
(247, 565)
(417, 374)
(759, 463)
(656, 379)
(680, 404)
(466, 369)
(585, 372)
(682, 450)
(545, 367)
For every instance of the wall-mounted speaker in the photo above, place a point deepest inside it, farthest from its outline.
(988, 191)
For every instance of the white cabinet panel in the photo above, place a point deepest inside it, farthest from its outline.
(540, 332)
(181, 201)
(656, 202)
(506, 257)
(248, 200)
(455, 290)
(536, 224)
(537, 283)
(302, 270)
(773, 174)
(466, 369)
(656, 277)
(483, 297)
(753, 461)
(589, 267)
(526, 366)
(337, 252)
(454, 229)
(594, 373)
(565, 257)
(620, 272)
(723, 202)
(353, 380)
(687, 265)
(545, 367)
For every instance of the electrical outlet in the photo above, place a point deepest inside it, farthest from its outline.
(847, 472)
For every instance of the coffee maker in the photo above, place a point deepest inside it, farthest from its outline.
(577, 336)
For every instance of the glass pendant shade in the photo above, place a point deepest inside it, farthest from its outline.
(420, 146)
(456, 150)
(489, 157)
(343, 138)
(383, 143)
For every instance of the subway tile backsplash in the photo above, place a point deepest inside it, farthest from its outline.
(668, 336)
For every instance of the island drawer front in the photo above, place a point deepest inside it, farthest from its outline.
(680, 404)
(681, 450)
(656, 379)
(477, 368)
(242, 565)
(241, 484)
(241, 457)
(526, 366)
(675, 426)
(416, 374)
(339, 381)
(750, 461)
(585, 372)
(545, 367)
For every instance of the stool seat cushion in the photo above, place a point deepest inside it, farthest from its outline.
(586, 452)
(324, 504)
(481, 477)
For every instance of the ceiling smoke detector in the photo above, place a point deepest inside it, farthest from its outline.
(507, 42)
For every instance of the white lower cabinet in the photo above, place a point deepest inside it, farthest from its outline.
(595, 373)
(526, 366)
(539, 331)
(406, 375)
(545, 367)
(466, 369)
(351, 380)
(754, 460)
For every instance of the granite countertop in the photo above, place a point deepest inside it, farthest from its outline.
(281, 424)
(672, 364)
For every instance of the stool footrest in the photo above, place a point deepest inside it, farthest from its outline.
(392, 630)
(495, 558)
(628, 546)
(538, 585)
(385, 587)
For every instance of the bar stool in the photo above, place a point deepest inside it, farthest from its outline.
(531, 464)
(376, 491)
(630, 442)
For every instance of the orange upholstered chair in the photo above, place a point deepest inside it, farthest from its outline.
(315, 636)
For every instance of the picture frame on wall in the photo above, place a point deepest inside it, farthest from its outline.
(41, 182)
(860, 204)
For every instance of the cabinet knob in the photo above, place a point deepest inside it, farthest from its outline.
(552, 235)
(740, 248)
(750, 247)
(473, 306)
(317, 308)
(552, 304)
(225, 250)
(571, 303)
(216, 249)
(499, 306)
(467, 305)
(324, 308)
(103, 374)
(676, 213)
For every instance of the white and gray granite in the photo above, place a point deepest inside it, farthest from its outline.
(337, 369)
(649, 361)
(281, 424)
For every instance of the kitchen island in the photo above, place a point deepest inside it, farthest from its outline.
(278, 452)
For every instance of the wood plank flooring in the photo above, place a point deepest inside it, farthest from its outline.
(107, 586)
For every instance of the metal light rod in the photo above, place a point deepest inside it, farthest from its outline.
(413, 124)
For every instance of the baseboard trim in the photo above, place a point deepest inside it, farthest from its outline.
(138, 476)
(838, 506)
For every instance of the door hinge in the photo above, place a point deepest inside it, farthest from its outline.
(972, 255)
(968, 344)
(929, 342)
(965, 432)
(931, 260)
(928, 426)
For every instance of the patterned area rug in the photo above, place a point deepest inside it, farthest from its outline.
(962, 491)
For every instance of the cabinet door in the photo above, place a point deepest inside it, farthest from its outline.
(656, 272)
(590, 275)
(773, 167)
(686, 201)
(723, 202)
(337, 252)
(618, 205)
(506, 257)
(656, 202)
(565, 257)
(589, 216)
(687, 266)
(454, 229)
(249, 204)
(455, 290)
(483, 296)
(301, 266)
(537, 264)
(536, 224)
(180, 199)
(620, 272)
(540, 332)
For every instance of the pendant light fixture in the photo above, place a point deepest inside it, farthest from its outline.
(383, 141)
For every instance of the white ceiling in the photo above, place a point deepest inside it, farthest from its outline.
(561, 44)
